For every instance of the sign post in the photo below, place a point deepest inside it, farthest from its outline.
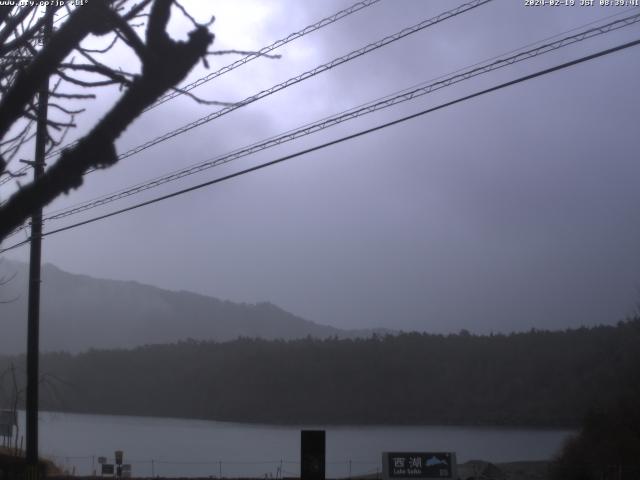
(312, 454)
(7, 421)
(118, 454)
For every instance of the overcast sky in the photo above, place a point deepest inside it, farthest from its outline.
(514, 210)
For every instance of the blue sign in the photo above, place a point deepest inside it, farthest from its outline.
(419, 464)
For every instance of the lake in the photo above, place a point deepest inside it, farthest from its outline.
(179, 447)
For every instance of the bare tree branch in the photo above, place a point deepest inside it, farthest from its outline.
(165, 63)
(82, 21)
(101, 50)
(27, 35)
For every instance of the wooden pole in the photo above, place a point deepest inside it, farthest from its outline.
(33, 320)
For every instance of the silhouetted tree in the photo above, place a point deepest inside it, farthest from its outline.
(5, 279)
(607, 446)
(534, 378)
(24, 68)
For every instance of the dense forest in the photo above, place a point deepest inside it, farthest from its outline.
(537, 378)
(607, 445)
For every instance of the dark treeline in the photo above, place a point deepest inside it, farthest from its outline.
(538, 378)
(607, 446)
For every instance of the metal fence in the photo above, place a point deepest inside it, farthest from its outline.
(162, 467)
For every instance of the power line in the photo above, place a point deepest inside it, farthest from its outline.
(24, 169)
(265, 50)
(369, 107)
(356, 7)
(294, 80)
(212, 162)
(308, 29)
(388, 101)
(306, 75)
(342, 139)
(327, 122)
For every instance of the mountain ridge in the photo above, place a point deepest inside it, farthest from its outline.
(79, 312)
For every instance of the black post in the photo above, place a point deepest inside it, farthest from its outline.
(33, 321)
(312, 454)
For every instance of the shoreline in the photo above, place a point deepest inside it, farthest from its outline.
(275, 424)
(518, 470)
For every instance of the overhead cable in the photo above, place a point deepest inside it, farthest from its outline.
(24, 169)
(340, 140)
(306, 75)
(308, 129)
(356, 7)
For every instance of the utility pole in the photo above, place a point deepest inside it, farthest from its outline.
(33, 321)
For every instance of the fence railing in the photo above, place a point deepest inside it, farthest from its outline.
(215, 469)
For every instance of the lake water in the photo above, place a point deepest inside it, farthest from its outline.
(178, 447)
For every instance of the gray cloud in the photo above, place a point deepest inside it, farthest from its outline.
(507, 212)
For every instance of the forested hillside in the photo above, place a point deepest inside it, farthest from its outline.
(536, 378)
